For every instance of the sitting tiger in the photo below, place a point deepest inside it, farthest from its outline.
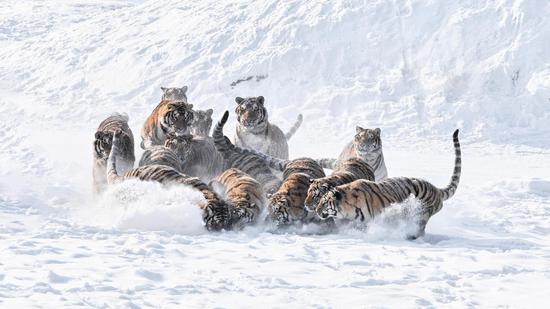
(168, 117)
(254, 131)
(161, 155)
(243, 193)
(102, 148)
(202, 122)
(364, 199)
(216, 213)
(366, 145)
(198, 155)
(238, 158)
(174, 94)
(347, 171)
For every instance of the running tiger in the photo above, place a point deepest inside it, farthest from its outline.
(243, 193)
(174, 94)
(161, 155)
(102, 148)
(202, 122)
(363, 199)
(168, 117)
(347, 171)
(216, 213)
(254, 131)
(243, 160)
(198, 155)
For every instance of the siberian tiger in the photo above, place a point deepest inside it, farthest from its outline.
(168, 117)
(198, 154)
(160, 155)
(216, 213)
(244, 193)
(254, 131)
(102, 148)
(245, 161)
(174, 94)
(363, 199)
(366, 145)
(347, 171)
(202, 122)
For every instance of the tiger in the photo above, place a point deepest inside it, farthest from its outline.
(244, 193)
(286, 206)
(174, 94)
(254, 130)
(161, 155)
(102, 148)
(366, 145)
(199, 156)
(347, 171)
(364, 199)
(235, 157)
(216, 213)
(168, 117)
(202, 122)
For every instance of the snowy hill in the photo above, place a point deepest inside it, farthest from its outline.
(416, 69)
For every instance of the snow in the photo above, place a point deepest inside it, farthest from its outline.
(417, 69)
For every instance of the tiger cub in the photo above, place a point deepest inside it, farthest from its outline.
(366, 145)
(216, 213)
(198, 155)
(160, 155)
(174, 94)
(237, 158)
(168, 117)
(244, 193)
(202, 122)
(363, 199)
(254, 131)
(347, 171)
(102, 148)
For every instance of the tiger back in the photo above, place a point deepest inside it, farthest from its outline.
(168, 117)
(160, 155)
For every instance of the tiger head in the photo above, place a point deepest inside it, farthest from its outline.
(180, 144)
(315, 191)
(241, 213)
(329, 205)
(177, 117)
(202, 122)
(103, 143)
(282, 211)
(216, 216)
(367, 140)
(174, 94)
(251, 113)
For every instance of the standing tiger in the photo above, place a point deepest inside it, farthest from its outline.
(363, 199)
(347, 171)
(174, 94)
(168, 117)
(161, 155)
(243, 193)
(102, 148)
(198, 155)
(202, 122)
(366, 145)
(254, 131)
(243, 160)
(216, 213)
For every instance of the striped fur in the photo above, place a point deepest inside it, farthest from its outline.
(202, 122)
(347, 171)
(168, 117)
(364, 199)
(250, 164)
(216, 213)
(254, 131)
(160, 155)
(102, 148)
(244, 193)
(199, 155)
(174, 94)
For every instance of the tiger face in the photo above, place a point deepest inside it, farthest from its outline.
(314, 193)
(180, 144)
(216, 216)
(178, 118)
(174, 94)
(329, 205)
(251, 112)
(282, 211)
(202, 122)
(367, 140)
(103, 144)
(242, 211)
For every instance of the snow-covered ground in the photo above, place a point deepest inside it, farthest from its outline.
(417, 69)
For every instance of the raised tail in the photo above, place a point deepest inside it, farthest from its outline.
(450, 189)
(112, 175)
(327, 163)
(295, 127)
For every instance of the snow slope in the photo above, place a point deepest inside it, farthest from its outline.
(417, 69)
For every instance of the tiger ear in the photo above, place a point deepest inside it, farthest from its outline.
(239, 100)
(209, 112)
(163, 89)
(269, 195)
(358, 129)
(184, 89)
(247, 196)
(311, 181)
(98, 135)
(377, 131)
(190, 106)
(261, 100)
(337, 195)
